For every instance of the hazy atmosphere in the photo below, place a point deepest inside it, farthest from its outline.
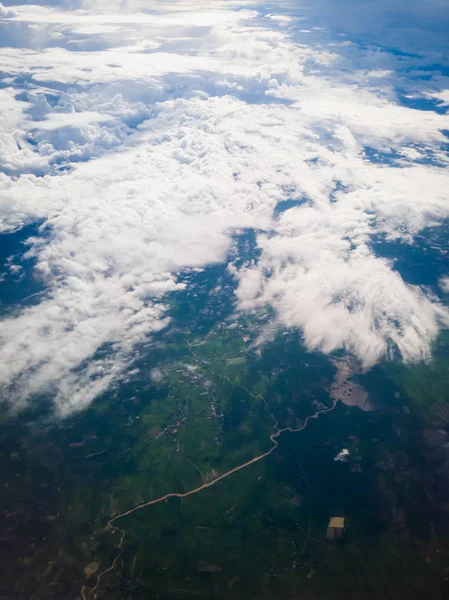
(200, 200)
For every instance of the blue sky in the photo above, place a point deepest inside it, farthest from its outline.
(140, 136)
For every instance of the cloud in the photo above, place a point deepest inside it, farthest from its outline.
(6, 13)
(142, 139)
(342, 456)
(341, 298)
(444, 284)
(442, 96)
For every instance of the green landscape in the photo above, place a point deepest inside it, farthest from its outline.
(200, 403)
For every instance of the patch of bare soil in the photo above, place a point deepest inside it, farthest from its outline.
(345, 389)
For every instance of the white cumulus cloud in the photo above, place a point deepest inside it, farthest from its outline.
(141, 138)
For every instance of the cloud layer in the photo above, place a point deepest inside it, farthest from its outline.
(142, 139)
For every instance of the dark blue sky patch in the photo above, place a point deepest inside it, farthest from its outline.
(378, 157)
(18, 281)
(210, 293)
(338, 187)
(285, 205)
(426, 104)
(397, 160)
(422, 263)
